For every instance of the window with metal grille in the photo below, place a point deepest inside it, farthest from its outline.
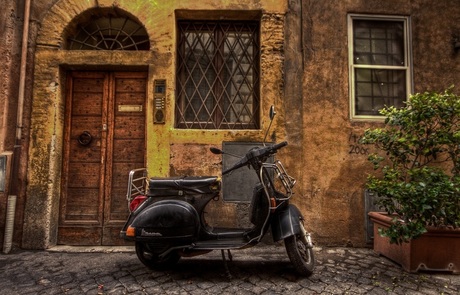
(379, 55)
(217, 75)
(109, 33)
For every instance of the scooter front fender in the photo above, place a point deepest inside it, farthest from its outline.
(286, 222)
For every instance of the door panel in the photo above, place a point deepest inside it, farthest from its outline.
(127, 149)
(81, 207)
(110, 106)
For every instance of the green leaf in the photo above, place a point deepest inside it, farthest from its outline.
(417, 164)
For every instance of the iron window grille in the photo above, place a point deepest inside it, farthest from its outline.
(217, 75)
(110, 33)
(380, 70)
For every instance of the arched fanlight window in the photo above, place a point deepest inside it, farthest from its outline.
(109, 33)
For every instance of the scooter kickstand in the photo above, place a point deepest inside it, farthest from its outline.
(227, 270)
(230, 256)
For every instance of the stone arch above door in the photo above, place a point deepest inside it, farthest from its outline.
(64, 13)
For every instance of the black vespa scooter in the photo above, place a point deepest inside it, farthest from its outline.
(167, 214)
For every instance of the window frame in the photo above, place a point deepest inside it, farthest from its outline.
(254, 123)
(352, 66)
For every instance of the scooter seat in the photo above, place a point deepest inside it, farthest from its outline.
(178, 186)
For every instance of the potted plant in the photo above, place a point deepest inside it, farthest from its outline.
(417, 181)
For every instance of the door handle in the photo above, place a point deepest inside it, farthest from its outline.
(85, 138)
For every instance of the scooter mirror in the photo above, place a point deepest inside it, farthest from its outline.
(272, 115)
(272, 112)
(216, 151)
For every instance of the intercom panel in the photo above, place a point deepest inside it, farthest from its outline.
(159, 101)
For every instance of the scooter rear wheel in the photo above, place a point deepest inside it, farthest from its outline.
(152, 260)
(300, 254)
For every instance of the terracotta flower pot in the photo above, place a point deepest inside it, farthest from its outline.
(436, 250)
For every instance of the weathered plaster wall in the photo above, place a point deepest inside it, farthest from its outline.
(9, 57)
(436, 63)
(304, 72)
(9, 33)
(12, 25)
(169, 151)
(334, 165)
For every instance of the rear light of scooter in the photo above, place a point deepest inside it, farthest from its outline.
(136, 202)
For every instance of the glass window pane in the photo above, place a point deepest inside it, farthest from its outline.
(375, 89)
(109, 33)
(217, 77)
(362, 45)
(384, 44)
(364, 89)
(361, 32)
(379, 46)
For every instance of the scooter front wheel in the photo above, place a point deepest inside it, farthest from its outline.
(153, 260)
(300, 251)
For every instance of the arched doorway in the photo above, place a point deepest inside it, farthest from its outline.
(104, 131)
(62, 110)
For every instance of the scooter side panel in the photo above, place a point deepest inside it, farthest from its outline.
(286, 222)
(166, 220)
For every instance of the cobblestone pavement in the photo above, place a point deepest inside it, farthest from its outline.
(259, 270)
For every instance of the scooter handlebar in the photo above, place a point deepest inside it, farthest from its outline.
(243, 162)
(279, 145)
(256, 153)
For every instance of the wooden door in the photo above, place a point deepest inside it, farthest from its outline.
(104, 138)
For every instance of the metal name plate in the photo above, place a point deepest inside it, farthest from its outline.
(129, 108)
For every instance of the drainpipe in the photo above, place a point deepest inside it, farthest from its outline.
(9, 223)
(22, 75)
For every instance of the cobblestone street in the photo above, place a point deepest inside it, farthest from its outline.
(260, 270)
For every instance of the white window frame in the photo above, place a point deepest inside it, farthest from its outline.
(407, 60)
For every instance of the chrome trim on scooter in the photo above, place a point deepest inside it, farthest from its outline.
(287, 181)
(136, 185)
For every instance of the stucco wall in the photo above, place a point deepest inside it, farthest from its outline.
(8, 36)
(334, 165)
(166, 146)
(304, 72)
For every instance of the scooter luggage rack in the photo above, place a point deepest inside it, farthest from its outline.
(137, 183)
(287, 181)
